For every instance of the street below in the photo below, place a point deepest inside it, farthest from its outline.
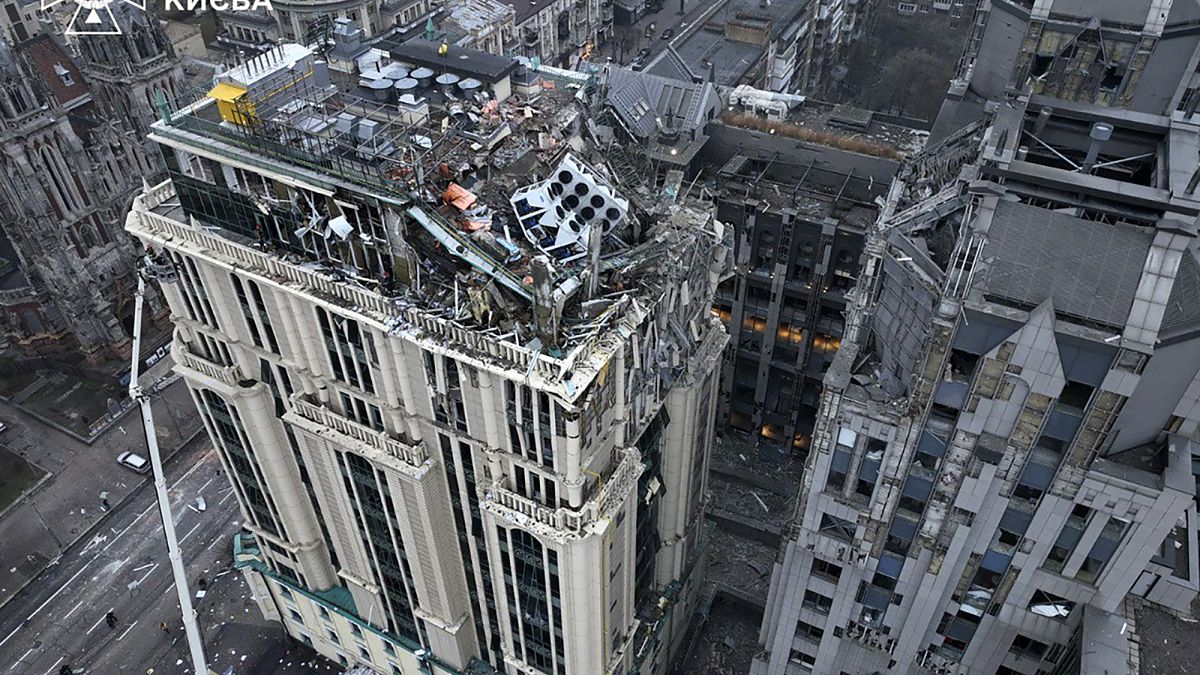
(123, 568)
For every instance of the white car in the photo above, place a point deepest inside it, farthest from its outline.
(134, 461)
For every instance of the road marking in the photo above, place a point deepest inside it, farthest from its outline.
(43, 605)
(227, 494)
(201, 488)
(89, 632)
(189, 533)
(60, 660)
(126, 631)
(88, 563)
(15, 663)
(148, 573)
(154, 505)
(73, 609)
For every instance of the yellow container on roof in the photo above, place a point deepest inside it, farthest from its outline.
(232, 102)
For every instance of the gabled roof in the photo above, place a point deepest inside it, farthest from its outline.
(641, 99)
(671, 64)
(1182, 313)
(54, 69)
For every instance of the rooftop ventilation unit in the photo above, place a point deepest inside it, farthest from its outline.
(559, 214)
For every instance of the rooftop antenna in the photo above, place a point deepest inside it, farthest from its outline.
(157, 266)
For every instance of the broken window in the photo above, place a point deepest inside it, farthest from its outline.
(1067, 538)
(809, 631)
(1048, 604)
(1114, 74)
(817, 602)
(962, 366)
(826, 570)
(1103, 550)
(1027, 646)
(345, 344)
(837, 527)
(838, 468)
(247, 313)
(868, 471)
(1041, 64)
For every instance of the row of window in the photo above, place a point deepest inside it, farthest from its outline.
(331, 633)
(461, 493)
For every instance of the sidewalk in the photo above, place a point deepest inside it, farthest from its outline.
(64, 507)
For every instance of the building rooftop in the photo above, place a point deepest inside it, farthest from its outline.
(526, 8)
(467, 17)
(708, 46)
(704, 49)
(1089, 271)
(646, 102)
(55, 70)
(508, 211)
(458, 60)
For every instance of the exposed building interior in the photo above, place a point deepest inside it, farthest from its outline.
(1001, 471)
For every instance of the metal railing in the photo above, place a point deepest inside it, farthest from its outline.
(184, 358)
(412, 455)
(567, 523)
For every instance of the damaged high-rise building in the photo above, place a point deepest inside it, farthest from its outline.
(462, 382)
(1001, 470)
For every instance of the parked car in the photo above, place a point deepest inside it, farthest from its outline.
(668, 33)
(650, 31)
(639, 61)
(134, 462)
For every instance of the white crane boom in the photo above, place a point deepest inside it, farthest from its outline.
(166, 273)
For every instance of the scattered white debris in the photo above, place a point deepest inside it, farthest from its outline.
(760, 501)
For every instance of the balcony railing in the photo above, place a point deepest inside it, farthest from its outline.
(227, 375)
(349, 430)
(563, 523)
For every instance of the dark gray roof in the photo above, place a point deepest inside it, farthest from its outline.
(670, 64)
(1183, 307)
(524, 9)
(1089, 269)
(458, 60)
(641, 98)
(956, 113)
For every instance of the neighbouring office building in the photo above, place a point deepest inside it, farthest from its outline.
(1001, 470)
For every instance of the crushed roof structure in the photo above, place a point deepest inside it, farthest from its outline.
(486, 207)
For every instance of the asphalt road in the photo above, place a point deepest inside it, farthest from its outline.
(123, 567)
(667, 17)
(37, 529)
